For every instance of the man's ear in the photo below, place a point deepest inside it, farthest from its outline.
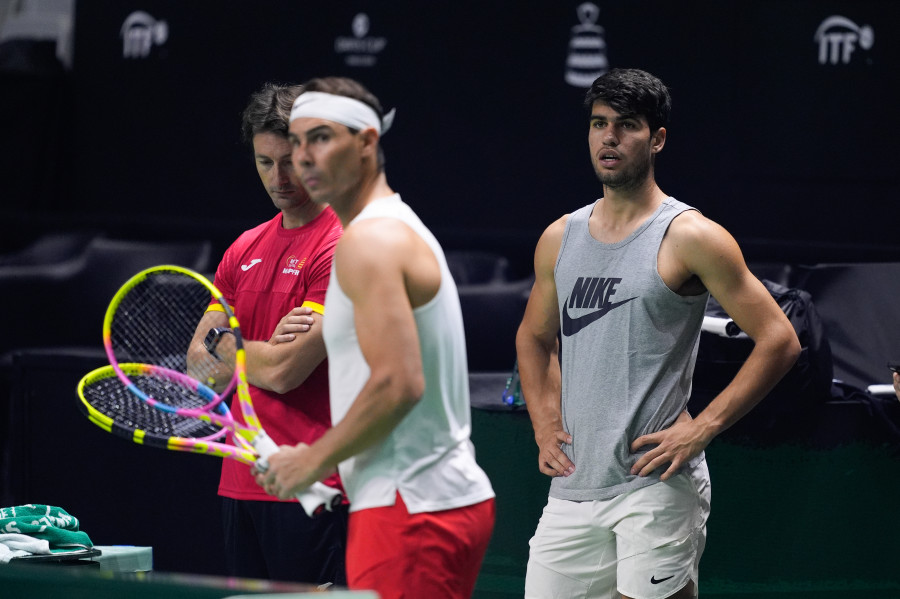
(368, 139)
(658, 140)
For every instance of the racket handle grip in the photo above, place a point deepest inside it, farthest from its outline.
(315, 499)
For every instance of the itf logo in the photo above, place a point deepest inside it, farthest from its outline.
(360, 50)
(140, 32)
(587, 48)
(838, 37)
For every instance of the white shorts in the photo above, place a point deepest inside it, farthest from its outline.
(644, 544)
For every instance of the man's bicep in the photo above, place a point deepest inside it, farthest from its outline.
(718, 261)
(541, 317)
(751, 306)
(385, 325)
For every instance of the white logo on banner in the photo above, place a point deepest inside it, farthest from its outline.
(360, 50)
(587, 48)
(838, 37)
(140, 32)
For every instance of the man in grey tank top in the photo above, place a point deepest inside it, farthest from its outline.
(623, 283)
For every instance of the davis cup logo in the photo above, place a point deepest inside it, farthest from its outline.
(362, 49)
(587, 48)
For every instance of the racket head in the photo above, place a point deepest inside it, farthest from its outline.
(118, 410)
(148, 393)
(152, 320)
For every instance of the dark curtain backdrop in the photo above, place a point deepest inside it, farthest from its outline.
(782, 128)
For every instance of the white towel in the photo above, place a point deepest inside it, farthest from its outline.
(16, 545)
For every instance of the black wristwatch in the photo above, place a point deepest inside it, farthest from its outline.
(213, 337)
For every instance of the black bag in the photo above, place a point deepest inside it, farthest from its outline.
(806, 385)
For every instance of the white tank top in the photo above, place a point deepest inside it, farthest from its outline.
(428, 458)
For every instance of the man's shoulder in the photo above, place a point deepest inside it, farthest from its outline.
(691, 225)
(332, 224)
(259, 230)
(249, 240)
(700, 242)
(581, 214)
(557, 227)
(378, 233)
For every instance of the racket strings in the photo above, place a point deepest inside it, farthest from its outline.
(155, 323)
(109, 397)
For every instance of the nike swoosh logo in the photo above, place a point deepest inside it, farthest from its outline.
(654, 580)
(573, 325)
(254, 262)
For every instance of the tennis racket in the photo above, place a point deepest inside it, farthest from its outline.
(160, 391)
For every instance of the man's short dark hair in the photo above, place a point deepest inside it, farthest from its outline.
(269, 111)
(632, 92)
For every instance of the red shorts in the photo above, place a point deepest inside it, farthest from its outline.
(410, 556)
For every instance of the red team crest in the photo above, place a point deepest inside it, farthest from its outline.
(293, 265)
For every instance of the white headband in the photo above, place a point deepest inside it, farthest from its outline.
(340, 109)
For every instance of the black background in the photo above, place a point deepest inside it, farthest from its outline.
(794, 157)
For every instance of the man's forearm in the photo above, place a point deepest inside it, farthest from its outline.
(541, 384)
(378, 409)
(282, 367)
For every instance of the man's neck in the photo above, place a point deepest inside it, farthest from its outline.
(370, 189)
(302, 215)
(624, 202)
(620, 212)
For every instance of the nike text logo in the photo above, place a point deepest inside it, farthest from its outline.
(654, 580)
(590, 292)
(254, 262)
(570, 325)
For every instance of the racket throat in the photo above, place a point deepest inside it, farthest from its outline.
(261, 442)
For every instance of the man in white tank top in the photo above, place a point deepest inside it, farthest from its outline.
(422, 510)
(624, 280)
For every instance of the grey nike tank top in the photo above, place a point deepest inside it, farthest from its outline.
(629, 344)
